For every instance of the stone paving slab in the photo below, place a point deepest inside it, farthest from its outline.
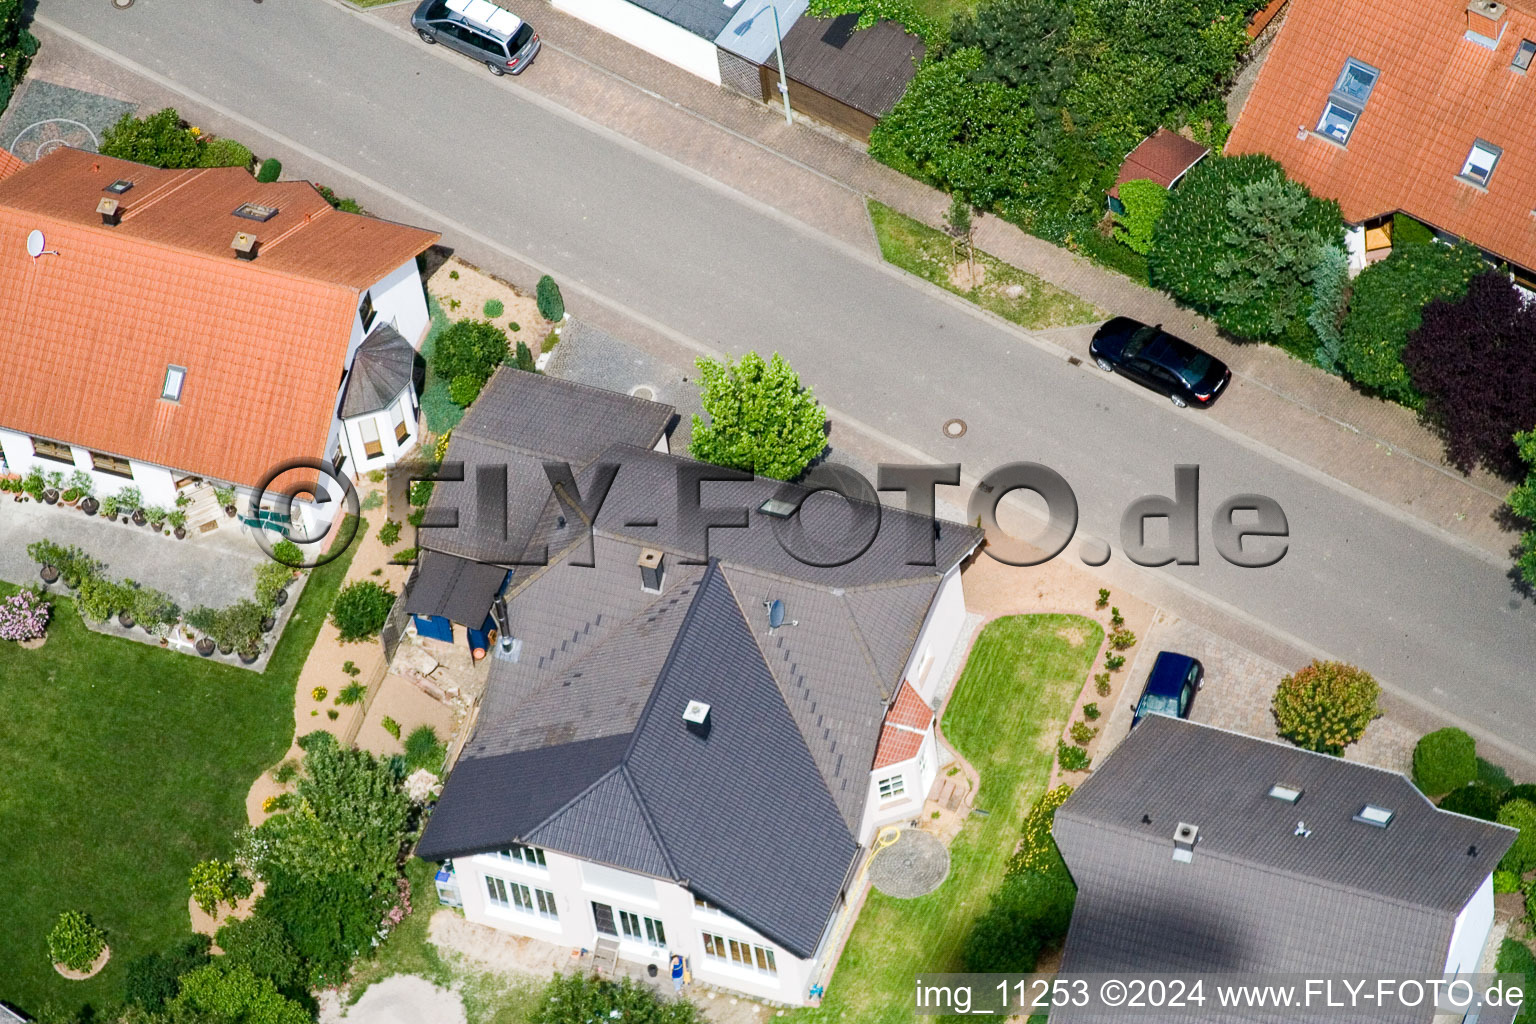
(47, 114)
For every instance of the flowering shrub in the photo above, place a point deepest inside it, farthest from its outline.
(319, 692)
(24, 616)
(421, 786)
(401, 908)
(1037, 851)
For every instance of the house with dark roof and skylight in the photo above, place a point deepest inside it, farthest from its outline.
(689, 734)
(1198, 850)
(167, 328)
(1412, 106)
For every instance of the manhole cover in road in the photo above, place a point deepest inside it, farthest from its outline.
(954, 428)
(122, 5)
(915, 865)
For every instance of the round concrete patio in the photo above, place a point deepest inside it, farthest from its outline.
(914, 865)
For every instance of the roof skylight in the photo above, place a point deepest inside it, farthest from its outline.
(1371, 814)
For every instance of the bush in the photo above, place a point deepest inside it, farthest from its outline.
(1385, 306)
(1460, 347)
(1330, 286)
(1037, 851)
(1326, 706)
(1520, 814)
(1407, 232)
(99, 599)
(579, 998)
(547, 295)
(152, 980)
(522, 358)
(224, 153)
(270, 170)
(1479, 800)
(494, 308)
(1071, 758)
(1144, 202)
(360, 610)
(260, 944)
(1114, 662)
(1091, 712)
(270, 578)
(1524, 791)
(1515, 957)
(75, 942)
(1238, 242)
(1083, 733)
(389, 533)
(160, 140)
(1028, 912)
(24, 616)
(761, 418)
(213, 882)
(469, 348)
(1506, 882)
(1521, 502)
(231, 994)
(352, 693)
(287, 552)
(390, 726)
(1444, 760)
(1122, 639)
(424, 750)
(338, 202)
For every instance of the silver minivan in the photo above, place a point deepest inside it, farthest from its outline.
(490, 34)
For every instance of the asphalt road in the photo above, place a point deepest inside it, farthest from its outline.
(1426, 614)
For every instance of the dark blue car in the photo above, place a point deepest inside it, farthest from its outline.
(1171, 687)
(1156, 359)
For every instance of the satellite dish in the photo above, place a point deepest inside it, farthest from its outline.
(775, 614)
(35, 244)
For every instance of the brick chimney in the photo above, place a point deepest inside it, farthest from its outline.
(1485, 21)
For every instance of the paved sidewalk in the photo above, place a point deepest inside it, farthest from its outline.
(822, 178)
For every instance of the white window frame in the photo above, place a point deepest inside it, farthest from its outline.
(1344, 103)
(647, 931)
(893, 787)
(398, 421)
(740, 954)
(527, 856)
(175, 381)
(366, 426)
(1525, 51)
(505, 894)
(1487, 149)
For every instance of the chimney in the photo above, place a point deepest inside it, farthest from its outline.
(652, 572)
(244, 245)
(696, 718)
(1485, 22)
(108, 208)
(1184, 839)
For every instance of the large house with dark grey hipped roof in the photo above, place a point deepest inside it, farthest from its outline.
(1196, 849)
(686, 751)
(184, 326)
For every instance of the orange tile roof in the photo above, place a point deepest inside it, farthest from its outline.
(1163, 157)
(906, 723)
(1437, 93)
(90, 331)
(1259, 20)
(9, 163)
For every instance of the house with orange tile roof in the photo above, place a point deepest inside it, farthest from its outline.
(170, 328)
(1421, 107)
(907, 756)
(9, 164)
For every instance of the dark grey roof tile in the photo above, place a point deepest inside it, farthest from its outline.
(381, 368)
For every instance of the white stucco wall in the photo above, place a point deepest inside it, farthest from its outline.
(1354, 243)
(576, 884)
(1471, 931)
(918, 775)
(651, 33)
(350, 434)
(399, 299)
(938, 637)
(156, 484)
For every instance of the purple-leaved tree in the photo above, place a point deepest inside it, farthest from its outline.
(1474, 361)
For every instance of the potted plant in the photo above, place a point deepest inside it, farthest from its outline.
(77, 567)
(129, 501)
(55, 485)
(249, 652)
(205, 620)
(109, 507)
(225, 496)
(49, 556)
(139, 518)
(34, 484)
(156, 516)
(178, 520)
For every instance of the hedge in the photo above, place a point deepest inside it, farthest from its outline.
(1444, 760)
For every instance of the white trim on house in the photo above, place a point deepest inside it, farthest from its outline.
(575, 884)
(649, 32)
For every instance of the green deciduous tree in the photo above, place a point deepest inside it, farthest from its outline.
(1239, 241)
(1386, 304)
(471, 349)
(1026, 45)
(261, 944)
(761, 418)
(1144, 202)
(223, 994)
(961, 135)
(1326, 706)
(582, 998)
(1522, 502)
(159, 140)
(17, 46)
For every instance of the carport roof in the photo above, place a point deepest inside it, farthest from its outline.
(868, 69)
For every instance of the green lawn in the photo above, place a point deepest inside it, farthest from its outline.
(123, 765)
(1010, 705)
(927, 252)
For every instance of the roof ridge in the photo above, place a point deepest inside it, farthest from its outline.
(868, 653)
(602, 641)
(575, 799)
(645, 813)
(666, 666)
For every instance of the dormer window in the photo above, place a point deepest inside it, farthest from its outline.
(1480, 163)
(1347, 101)
(119, 186)
(365, 311)
(1523, 55)
(175, 376)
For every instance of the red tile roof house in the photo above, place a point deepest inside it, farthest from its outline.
(1417, 106)
(189, 326)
